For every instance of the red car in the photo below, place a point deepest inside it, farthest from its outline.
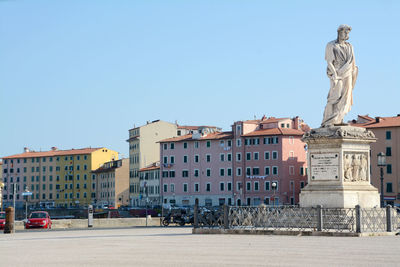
(38, 219)
(2, 219)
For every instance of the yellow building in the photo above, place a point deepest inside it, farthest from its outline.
(75, 184)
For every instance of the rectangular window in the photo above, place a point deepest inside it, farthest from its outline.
(266, 155)
(222, 186)
(165, 146)
(255, 155)
(229, 171)
(172, 188)
(208, 187)
(239, 171)
(185, 187)
(165, 188)
(248, 171)
(208, 158)
(256, 171)
(165, 174)
(196, 187)
(274, 170)
(238, 186)
(274, 154)
(172, 174)
(185, 173)
(221, 172)
(238, 156)
(208, 172)
(388, 151)
(229, 186)
(248, 156)
(165, 160)
(301, 171)
(172, 146)
(389, 168)
(238, 142)
(172, 159)
(185, 159)
(302, 184)
(248, 186)
(256, 186)
(267, 171)
(196, 144)
(196, 173)
(208, 143)
(229, 156)
(185, 145)
(267, 186)
(196, 158)
(389, 188)
(388, 135)
(222, 157)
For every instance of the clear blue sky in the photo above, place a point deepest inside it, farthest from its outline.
(81, 73)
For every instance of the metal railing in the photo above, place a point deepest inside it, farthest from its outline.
(292, 218)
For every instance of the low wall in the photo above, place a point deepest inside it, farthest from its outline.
(97, 223)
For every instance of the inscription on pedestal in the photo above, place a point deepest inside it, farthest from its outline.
(325, 166)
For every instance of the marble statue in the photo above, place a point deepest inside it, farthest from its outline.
(342, 72)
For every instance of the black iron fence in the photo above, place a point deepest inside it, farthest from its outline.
(292, 218)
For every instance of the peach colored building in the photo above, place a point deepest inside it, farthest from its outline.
(387, 132)
(236, 167)
(112, 183)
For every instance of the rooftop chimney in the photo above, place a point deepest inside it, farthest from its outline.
(53, 148)
(26, 149)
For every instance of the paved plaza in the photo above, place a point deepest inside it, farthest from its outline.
(175, 246)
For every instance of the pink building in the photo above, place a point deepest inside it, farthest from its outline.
(259, 161)
(387, 132)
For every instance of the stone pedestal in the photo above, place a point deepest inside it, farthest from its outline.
(339, 168)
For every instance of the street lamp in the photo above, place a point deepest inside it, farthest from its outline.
(274, 185)
(381, 164)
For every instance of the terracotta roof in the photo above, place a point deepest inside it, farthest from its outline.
(210, 136)
(51, 153)
(149, 168)
(381, 122)
(274, 131)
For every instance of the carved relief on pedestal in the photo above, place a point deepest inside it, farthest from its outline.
(355, 167)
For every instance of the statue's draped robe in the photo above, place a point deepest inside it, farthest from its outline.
(340, 97)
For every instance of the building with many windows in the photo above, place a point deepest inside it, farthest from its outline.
(112, 183)
(55, 177)
(150, 185)
(259, 161)
(144, 148)
(387, 132)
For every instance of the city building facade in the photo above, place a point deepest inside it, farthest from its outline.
(55, 177)
(150, 185)
(259, 161)
(112, 183)
(387, 132)
(144, 149)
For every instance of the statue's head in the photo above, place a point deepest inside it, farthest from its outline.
(343, 32)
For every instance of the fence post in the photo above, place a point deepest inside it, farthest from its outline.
(226, 217)
(320, 222)
(196, 214)
(358, 219)
(389, 222)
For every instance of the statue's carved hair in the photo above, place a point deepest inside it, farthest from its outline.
(344, 27)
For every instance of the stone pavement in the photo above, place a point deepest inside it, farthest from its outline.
(175, 246)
